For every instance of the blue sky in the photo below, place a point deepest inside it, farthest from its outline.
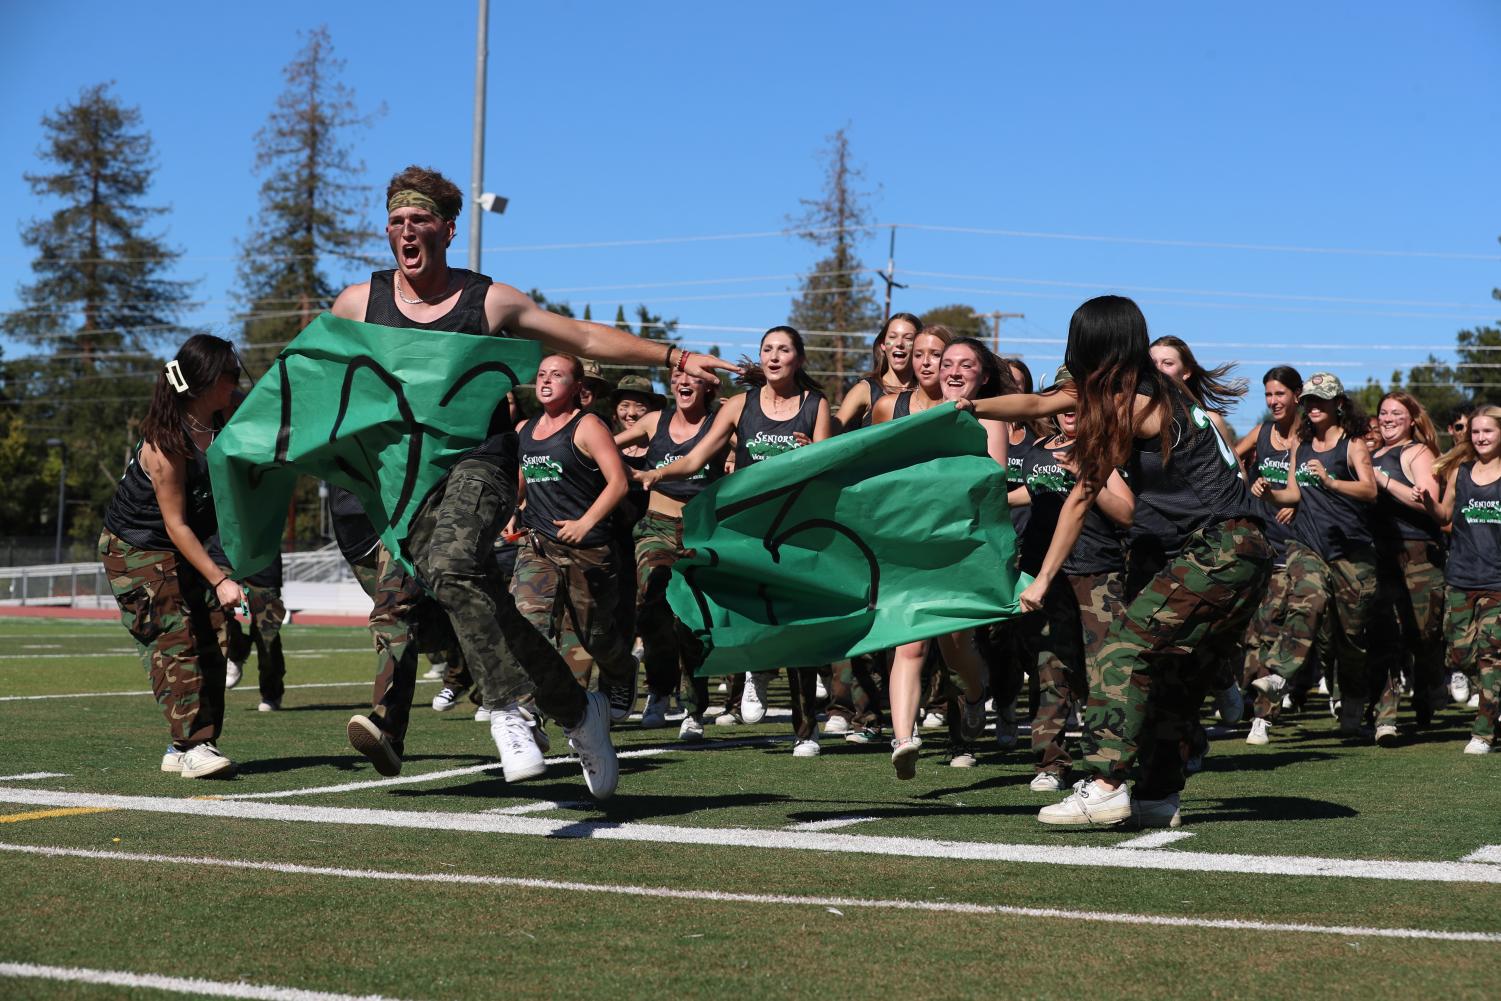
(1166, 127)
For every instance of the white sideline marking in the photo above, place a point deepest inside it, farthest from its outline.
(25, 776)
(401, 780)
(178, 985)
(541, 806)
(1486, 853)
(122, 651)
(1051, 853)
(101, 695)
(717, 896)
(1157, 839)
(828, 825)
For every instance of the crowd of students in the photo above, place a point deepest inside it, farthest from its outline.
(1175, 571)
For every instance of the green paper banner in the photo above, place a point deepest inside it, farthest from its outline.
(894, 533)
(382, 411)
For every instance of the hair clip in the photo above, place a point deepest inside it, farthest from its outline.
(174, 376)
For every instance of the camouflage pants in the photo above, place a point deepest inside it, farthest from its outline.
(452, 541)
(172, 614)
(1101, 598)
(1328, 598)
(267, 612)
(1472, 623)
(1054, 649)
(393, 628)
(1263, 633)
(1407, 621)
(856, 690)
(570, 594)
(671, 649)
(1159, 655)
(446, 650)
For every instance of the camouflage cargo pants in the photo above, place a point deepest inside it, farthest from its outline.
(1407, 624)
(1472, 624)
(393, 628)
(1329, 598)
(1054, 645)
(452, 541)
(671, 650)
(570, 594)
(1182, 622)
(172, 614)
(267, 613)
(1263, 633)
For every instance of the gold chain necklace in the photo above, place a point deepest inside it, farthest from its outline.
(419, 301)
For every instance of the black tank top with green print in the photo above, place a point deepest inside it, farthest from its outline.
(758, 437)
(662, 449)
(134, 515)
(1475, 546)
(1331, 524)
(1272, 464)
(560, 483)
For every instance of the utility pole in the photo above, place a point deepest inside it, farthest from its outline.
(477, 165)
(889, 275)
(995, 317)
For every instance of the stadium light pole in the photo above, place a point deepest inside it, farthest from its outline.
(62, 487)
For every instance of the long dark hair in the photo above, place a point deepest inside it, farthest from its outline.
(997, 379)
(1109, 355)
(200, 362)
(879, 363)
(752, 375)
(1288, 376)
(1212, 387)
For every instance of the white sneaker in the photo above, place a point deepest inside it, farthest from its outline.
(1271, 684)
(1090, 805)
(1459, 686)
(447, 698)
(722, 687)
(268, 705)
(233, 671)
(1477, 745)
(654, 715)
(202, 761)
(726, 719)
(691, 731)
(964, 758)
(836, 726)
(1474, 702)
(371, 741)
(1323, 687)
(1386, 735)
(904, 756)
(590, 740)
(482, 715)
(1046, 782)
(1230, 704)
(172, 760)
(753, 701)
(1260, 733)
(1156, 812)
(436, 672)
(820, 691)
(933, 720)
(1287, 702)
(805, 749)
(520, 757)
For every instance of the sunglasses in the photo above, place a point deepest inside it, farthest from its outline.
(1458, 426)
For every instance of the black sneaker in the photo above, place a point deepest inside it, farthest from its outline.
(622, 700)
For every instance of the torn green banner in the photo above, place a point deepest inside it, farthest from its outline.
(382, 411)
(895, 533)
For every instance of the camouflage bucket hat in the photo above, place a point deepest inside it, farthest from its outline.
(641, 386)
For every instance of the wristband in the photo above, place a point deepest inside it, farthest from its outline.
(221, 581)
(667, 361)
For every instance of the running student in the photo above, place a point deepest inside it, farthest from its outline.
(568, 572)
(1062, 640)
(1270, 446)
(969, 371)
(1407, 621)
(1331, 559)
(1471, 472)
(1211, 387)
(454, 531)
(670, 648)
(1162, 652)
(173, 598)
(890, 372)
(782, 410)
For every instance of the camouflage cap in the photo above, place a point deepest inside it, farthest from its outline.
(1323, 386)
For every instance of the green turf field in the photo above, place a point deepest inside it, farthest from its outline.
(1309, 866)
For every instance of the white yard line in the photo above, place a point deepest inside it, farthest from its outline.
(717, 896)
(102, 695)
(175, 985)
(292, 655)
(828, 825)
(1052, 853)
(27, 776)
(1157, 839)
(542, 806)
(1486, 853)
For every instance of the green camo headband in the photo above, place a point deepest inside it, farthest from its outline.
(406, 197)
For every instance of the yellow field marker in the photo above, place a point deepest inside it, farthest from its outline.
(70, 811)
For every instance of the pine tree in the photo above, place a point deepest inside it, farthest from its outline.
(835, 304)
(102, 300)
(312, 202)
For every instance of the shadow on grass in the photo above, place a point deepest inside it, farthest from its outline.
(1260, 808)
(350, 762)
(322, 707)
